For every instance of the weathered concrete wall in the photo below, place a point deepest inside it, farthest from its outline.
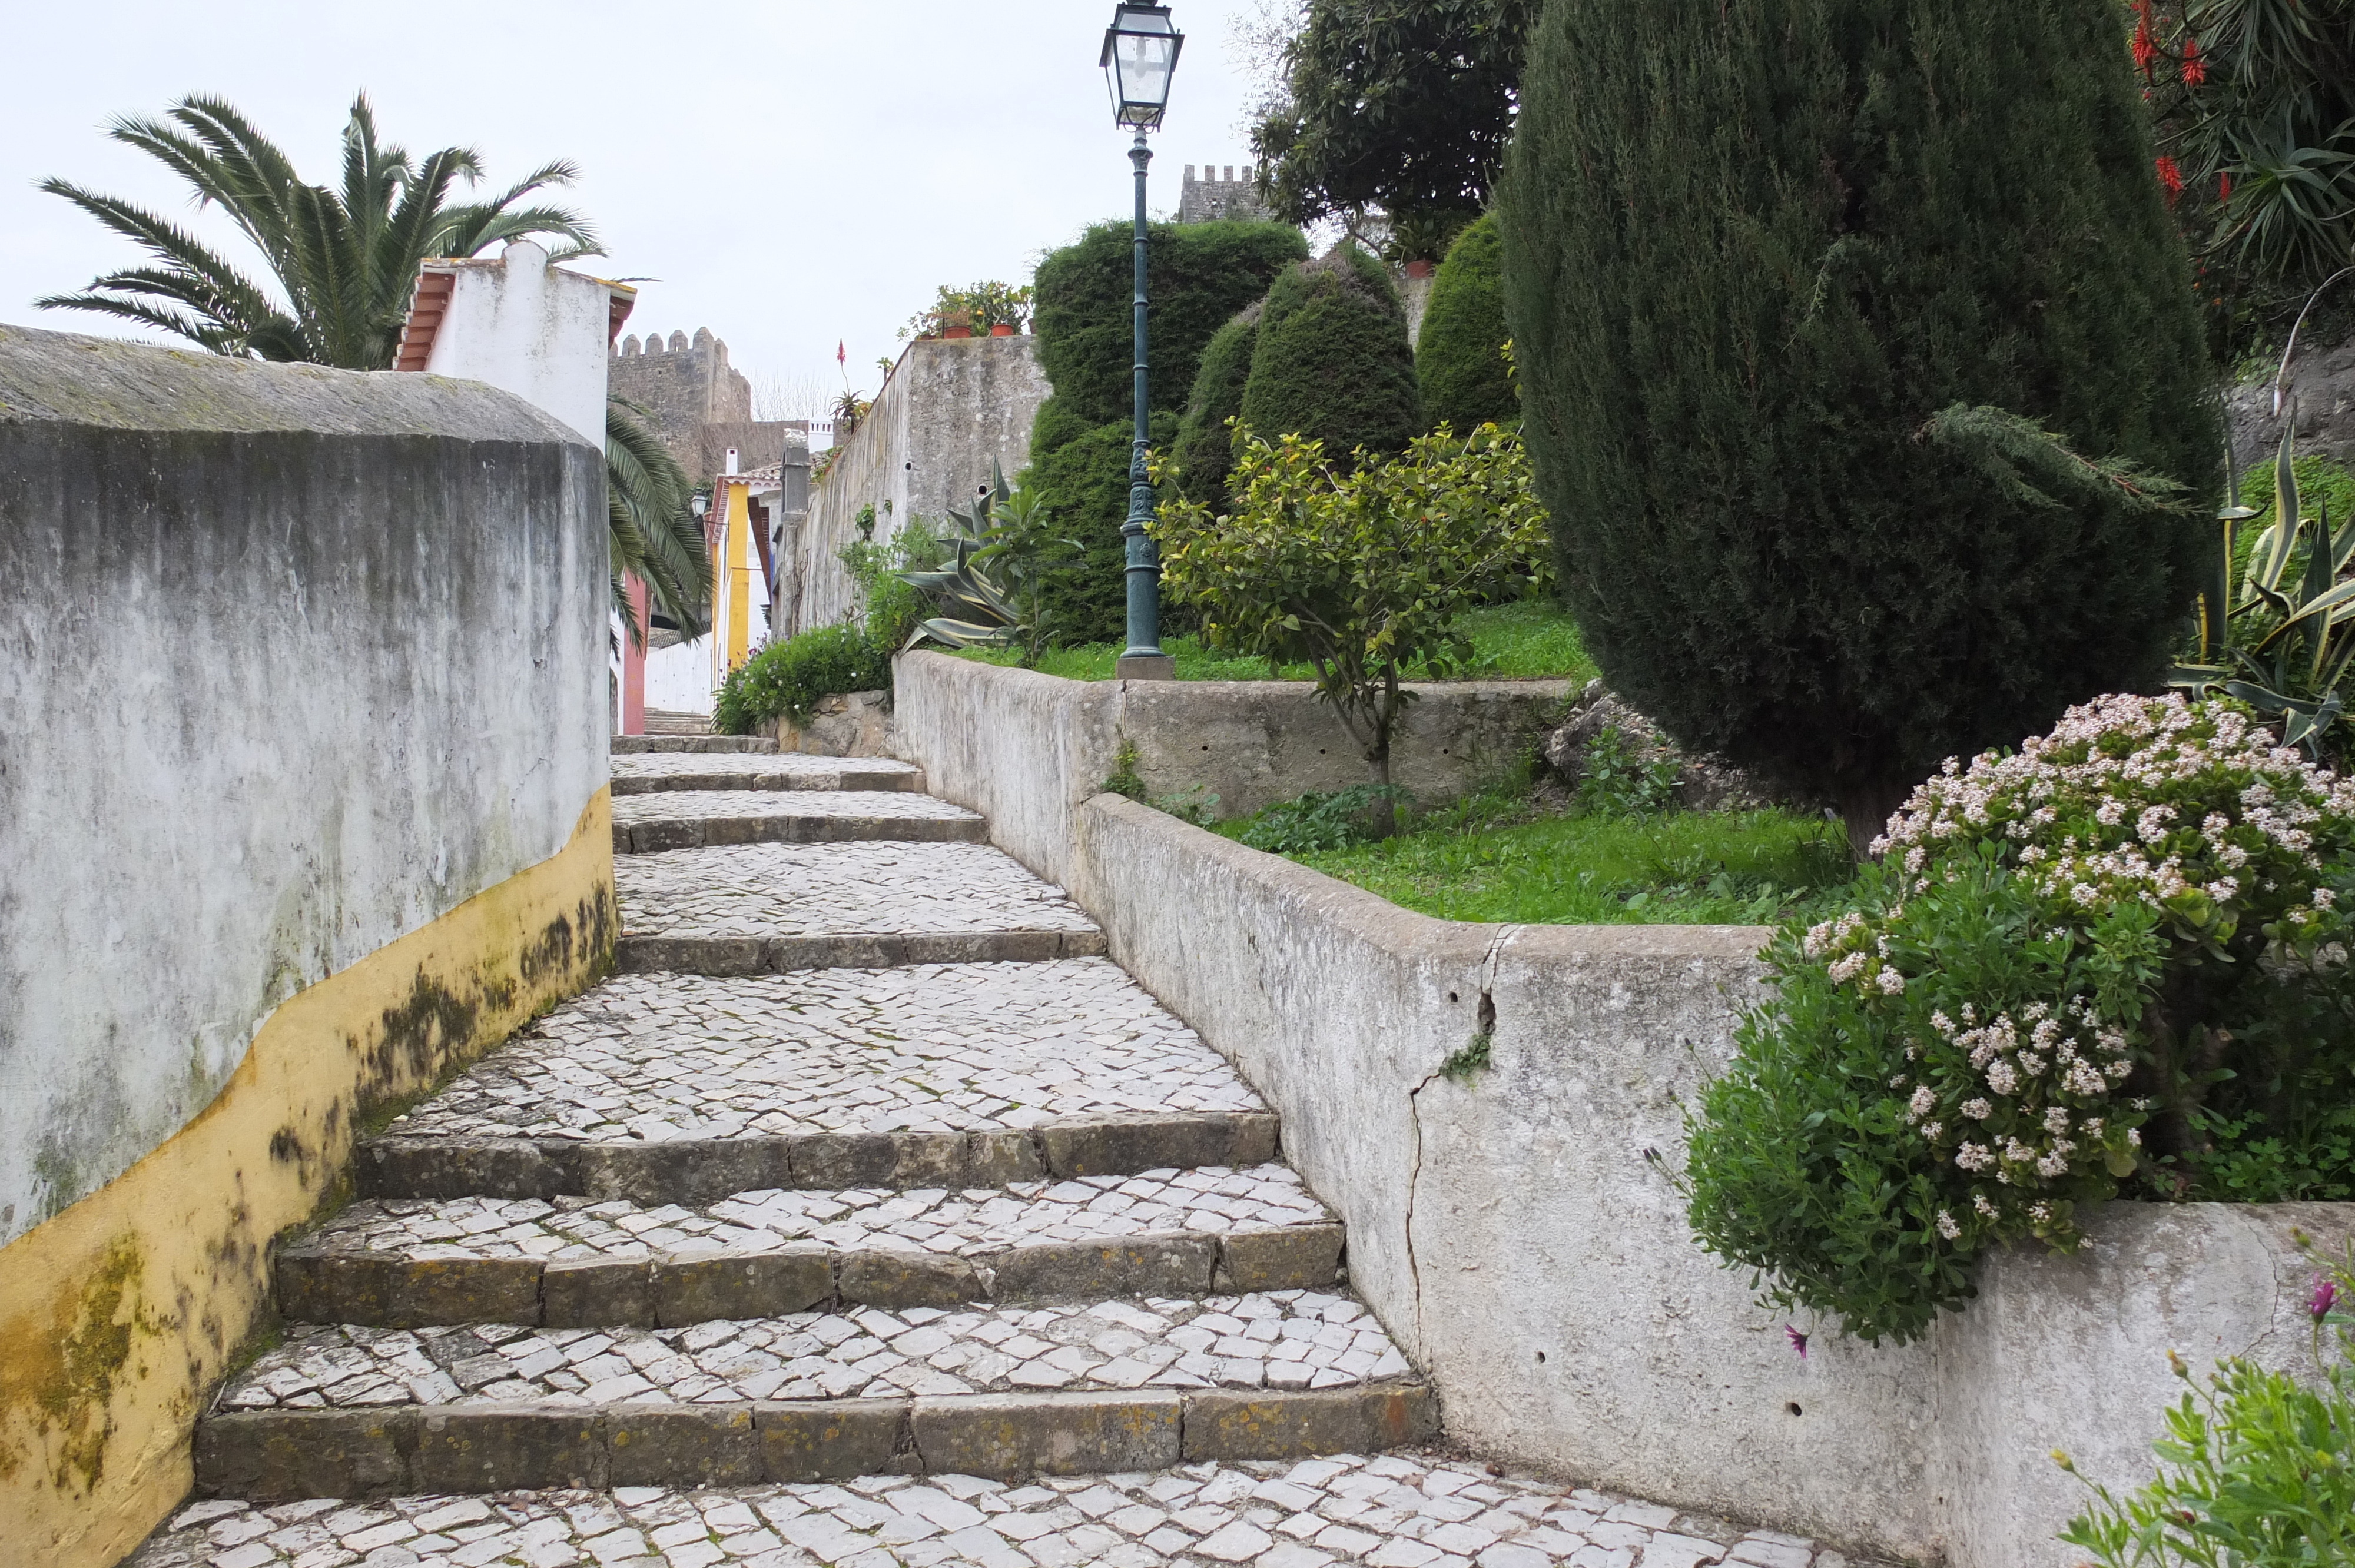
(1250, 743)
(1519, 1232)
(301, 799)
(947, 412)
(2322, 381)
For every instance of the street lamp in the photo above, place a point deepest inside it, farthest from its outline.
(1140, 55)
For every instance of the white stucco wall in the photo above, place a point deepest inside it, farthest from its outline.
(525, 327)
(319, 658)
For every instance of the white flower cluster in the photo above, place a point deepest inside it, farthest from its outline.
(2188, 809)
(2101, 811)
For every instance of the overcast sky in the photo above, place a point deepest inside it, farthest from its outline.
(788, 172)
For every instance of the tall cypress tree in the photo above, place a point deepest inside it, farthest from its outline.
(1205, 449)
(1751, 253)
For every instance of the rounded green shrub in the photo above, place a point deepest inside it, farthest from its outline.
(1199, 275)
(1333, 364)
(1460, 355)
(2114, 963)
(1205, 452)
(1750, 254)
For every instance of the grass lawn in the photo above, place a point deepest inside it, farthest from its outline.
(1534, 640)
(1492, 859)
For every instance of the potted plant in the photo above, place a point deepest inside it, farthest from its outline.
(1001, 308)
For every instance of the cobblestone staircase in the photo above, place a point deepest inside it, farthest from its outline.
(868, 1216)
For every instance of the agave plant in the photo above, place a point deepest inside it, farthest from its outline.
(992, 586)
(2284, 643)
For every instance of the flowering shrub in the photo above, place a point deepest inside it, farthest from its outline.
(2113, 961)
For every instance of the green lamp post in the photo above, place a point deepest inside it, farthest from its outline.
(1140, 55)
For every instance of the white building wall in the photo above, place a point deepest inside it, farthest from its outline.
(531, 329)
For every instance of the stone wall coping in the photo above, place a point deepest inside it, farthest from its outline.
(56, 377)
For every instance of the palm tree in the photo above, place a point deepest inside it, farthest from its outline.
(655, 536)
(346, 262)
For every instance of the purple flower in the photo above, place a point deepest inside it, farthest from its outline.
(1798, 1340)
(2325, 1298)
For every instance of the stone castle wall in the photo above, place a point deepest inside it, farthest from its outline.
(700, 404)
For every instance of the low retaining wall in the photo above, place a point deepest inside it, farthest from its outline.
(1519, 1232)
(1036, 747)
(301, 802)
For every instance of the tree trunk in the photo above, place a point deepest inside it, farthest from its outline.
(1866, 809)
(1385, 812)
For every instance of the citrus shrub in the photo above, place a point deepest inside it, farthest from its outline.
(2110, 963)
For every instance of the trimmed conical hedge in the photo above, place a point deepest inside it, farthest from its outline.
(1205, 452)
(1750, 252)
(1333, 361)
(1460, 355)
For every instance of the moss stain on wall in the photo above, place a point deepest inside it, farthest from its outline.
(125, 1309)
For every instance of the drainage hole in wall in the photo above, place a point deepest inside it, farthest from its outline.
(1793, 1407)
(1541, 1358)
(1451, 996)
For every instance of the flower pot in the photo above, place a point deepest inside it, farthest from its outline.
(956, 332)
(1003, 329)
(1421, 268)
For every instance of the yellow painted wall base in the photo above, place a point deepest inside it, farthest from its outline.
(118, 1316)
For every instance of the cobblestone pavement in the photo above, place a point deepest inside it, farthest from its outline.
(1096, 1208)
(785, 766)
(1401, 1510)
(789, 890)
(933, 1047)
(675, 805)
(1284, 1338)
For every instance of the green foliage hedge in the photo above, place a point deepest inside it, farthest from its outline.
(1083, 492)
(1200, 275)
(1459, 356)
(1749, 255)
(789, 679)
(1205, 452)
(1333, 364)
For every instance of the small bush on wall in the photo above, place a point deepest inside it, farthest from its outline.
(2113, 963)
(789, 679)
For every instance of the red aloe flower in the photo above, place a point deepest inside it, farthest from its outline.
(2171, 177)
(2224, 187)
(2146, 47)
(2195, 70)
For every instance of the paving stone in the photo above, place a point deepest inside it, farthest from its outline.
(849, 1438)
(662, 772)
(1088, 1434)
(330, 1454)
(671, 1446)
(1192, 1515)
(671, 820)
(1223, 1426)
(504, 1449)
(694, 1291)
(996, 1047)
(1293, 1339)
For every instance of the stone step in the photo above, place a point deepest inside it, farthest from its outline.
(693, 745)
(1420, 1508)
(682, 819)
(701, 1170)
(1113, 1386)
(577, 1263)
(772, 908)
(683, 1089)
(656, 773)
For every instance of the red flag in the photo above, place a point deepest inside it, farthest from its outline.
(841, 351)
